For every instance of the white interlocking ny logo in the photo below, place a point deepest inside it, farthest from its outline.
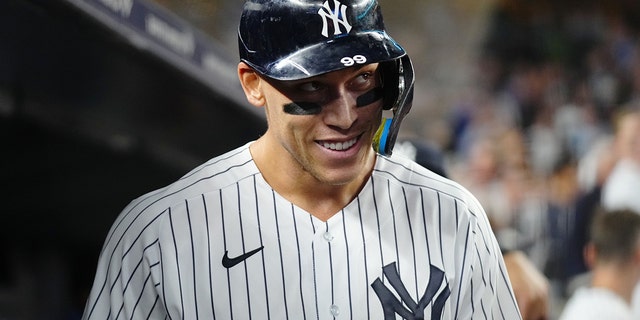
(338, 15)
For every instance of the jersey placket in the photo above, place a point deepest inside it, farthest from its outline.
(329, 263)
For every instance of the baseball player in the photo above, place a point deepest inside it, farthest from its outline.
(315, 219)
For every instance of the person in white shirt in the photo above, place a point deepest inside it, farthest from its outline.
(622, 188)
(613, 254)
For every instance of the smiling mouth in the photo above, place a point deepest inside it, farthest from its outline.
(338, 146)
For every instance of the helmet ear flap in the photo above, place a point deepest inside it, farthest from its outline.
(397, 85)
(390, 79)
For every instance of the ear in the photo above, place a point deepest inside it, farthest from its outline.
(636, 255)
(250, 81)
(590, 255)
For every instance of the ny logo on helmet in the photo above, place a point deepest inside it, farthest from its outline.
(338, 15)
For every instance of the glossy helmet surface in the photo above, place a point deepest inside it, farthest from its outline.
(298, 39)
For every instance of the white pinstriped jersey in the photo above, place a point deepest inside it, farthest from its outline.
(411, 245)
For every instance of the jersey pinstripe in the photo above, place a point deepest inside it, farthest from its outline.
(411, 245)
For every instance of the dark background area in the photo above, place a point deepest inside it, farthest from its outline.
(89, 121)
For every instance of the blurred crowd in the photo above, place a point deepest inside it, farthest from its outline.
(540, 133)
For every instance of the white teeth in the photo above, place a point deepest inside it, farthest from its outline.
(340, 145)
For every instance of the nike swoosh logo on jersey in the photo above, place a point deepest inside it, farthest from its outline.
(230, 262)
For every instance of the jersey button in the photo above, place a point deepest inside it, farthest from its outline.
(328, 236)
(335, 311)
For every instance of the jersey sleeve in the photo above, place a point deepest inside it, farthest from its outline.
(128, 276)
(490, 288)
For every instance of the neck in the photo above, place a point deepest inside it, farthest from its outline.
(319, 198)
(619, 279)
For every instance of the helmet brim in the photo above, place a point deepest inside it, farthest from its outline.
(332, 55)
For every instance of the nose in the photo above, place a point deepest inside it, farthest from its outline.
(342, 111)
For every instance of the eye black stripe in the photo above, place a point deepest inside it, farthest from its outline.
(302, 108)
(311, 108)
(369, 97)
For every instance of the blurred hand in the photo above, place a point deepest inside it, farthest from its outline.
(530, 286)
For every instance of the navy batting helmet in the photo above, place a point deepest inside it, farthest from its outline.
(297, 39)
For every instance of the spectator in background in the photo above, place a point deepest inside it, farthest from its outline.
(560, 218)
(613, 254)
(622, 187)
(593, 168)
(576, 120)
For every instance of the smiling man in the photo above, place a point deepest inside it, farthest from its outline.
(315, 219)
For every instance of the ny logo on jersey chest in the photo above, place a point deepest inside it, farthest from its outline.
(338, 15)
(408, 308)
